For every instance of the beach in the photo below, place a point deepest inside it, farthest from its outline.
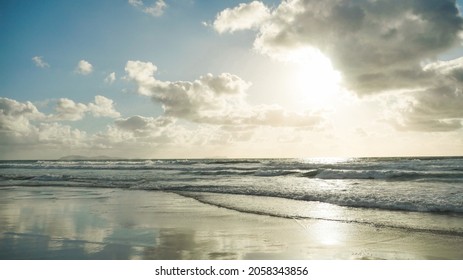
(110, 223)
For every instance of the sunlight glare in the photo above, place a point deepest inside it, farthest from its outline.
(316, 82)
(327, 160)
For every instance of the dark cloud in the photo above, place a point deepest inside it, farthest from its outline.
(377, 45)
(140, 123)
(434, 109)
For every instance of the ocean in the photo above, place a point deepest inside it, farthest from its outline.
(412, 193)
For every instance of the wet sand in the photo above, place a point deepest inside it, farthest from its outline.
(97, 223)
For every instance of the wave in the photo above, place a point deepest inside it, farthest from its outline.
(431, 201)
(359, 169)
(330, 174)
(284, 208)
(230, 161)
(277, 172)
(405, 184)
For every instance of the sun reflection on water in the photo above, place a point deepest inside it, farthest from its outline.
(327, 160)
(324, 230)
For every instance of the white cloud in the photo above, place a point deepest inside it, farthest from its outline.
(22, 127)
(24, 130)
(212, 99)
(69, 110)
(27, 133)
(208, 96)
(13, 108)
(143, 137)
(245, 16)
(103, 107)
(58, 134)
(156, 9)
(84, 67)
(111, 78)
(40, 62)
(142, 73)
(15, 116)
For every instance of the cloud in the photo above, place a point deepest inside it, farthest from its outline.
(13, 108)
(160, 130)
(142, 73)
(377, 46)
(13, 112)
(218, 100)
(15, 116)
(207, 96)
(139, 123)
(156, 9)
(245, 16)
(437, 107)
(40, 62)
(22, 125)
(111, 78)
(26, 130)
(58, 134)
(67, 109)
(145, 136)
(84, 67)
(103, 107)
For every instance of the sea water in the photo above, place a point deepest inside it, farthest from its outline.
(419, 194)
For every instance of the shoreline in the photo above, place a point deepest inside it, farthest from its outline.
(99, 223)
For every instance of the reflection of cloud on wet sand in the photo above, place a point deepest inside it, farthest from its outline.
(174, 244)
(58, 223)
(61, 223)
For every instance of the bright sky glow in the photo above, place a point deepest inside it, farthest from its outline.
(316, 82)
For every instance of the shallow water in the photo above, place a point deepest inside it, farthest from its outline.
(424, 194)
(95, 223)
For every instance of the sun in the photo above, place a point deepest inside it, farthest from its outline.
(315, 82)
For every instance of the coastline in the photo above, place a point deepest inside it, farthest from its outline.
(101, 223)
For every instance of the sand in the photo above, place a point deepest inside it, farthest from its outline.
(97, 223)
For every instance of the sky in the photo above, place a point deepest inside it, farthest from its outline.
(201, 79)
